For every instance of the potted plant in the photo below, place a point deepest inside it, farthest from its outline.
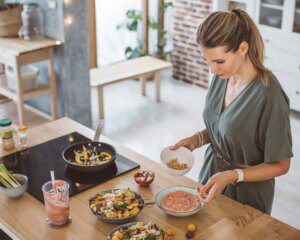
(133, 22)
(10, 19)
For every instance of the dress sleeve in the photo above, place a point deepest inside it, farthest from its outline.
(275, 129)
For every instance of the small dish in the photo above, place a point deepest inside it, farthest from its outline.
(160, 195)
(182, 154)
(16, 191)
(144, 178)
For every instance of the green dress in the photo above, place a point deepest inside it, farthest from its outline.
(254, 128)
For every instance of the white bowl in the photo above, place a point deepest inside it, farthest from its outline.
(29, 76)
(17, 191)
(159, 197)
(182, 154)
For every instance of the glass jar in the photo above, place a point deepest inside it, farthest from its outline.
(7, 134)
(22, 133)
(32, 21)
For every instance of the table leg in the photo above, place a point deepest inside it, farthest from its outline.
(19, 90)
(157, 78)
(52, 84)
(143, 80)
(97, 105)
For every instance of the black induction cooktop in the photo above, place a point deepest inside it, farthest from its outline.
(37, 162)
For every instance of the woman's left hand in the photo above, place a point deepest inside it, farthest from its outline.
(215, 185)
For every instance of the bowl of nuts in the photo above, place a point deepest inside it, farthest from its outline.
(177, 162)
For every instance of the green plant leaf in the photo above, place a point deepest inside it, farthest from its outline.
(165, 6)
(153, 25)
(133, 21)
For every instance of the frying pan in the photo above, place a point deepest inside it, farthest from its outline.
(117, 220)
(90, 177)
(69, 152)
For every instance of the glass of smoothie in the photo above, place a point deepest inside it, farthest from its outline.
(56, 200)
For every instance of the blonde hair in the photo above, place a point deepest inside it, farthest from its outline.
(230, 29)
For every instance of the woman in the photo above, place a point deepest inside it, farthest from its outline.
(246, 115)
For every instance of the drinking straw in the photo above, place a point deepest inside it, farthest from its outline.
(53, 180)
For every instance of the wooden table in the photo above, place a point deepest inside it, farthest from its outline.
(224, 218)
(140, 68)
(16, 53)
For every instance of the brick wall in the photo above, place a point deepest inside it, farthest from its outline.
(187, 63)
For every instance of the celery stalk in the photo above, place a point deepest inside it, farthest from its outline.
(10, 175)
(7, 179)
(4, 182)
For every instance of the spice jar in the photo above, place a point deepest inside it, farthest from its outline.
(32, 22)
(7, 134)
(22, 132)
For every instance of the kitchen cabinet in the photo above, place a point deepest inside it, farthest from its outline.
(279, 25)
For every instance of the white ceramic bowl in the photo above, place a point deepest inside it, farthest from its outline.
(182, 154)
(17, 191)
(159, 197)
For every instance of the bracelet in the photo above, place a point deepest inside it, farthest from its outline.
(200, 139)
(240, 175)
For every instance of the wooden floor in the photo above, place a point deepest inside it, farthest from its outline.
(146, 126)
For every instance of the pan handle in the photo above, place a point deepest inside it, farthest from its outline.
(98, 130)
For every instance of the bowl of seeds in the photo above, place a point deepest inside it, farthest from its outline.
(177, 162)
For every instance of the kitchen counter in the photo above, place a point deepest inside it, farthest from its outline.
(24, 218)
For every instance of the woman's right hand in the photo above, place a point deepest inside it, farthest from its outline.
(190, 143)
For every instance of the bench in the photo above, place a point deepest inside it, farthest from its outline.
(141, 68)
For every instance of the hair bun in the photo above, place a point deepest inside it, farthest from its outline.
(237, 12)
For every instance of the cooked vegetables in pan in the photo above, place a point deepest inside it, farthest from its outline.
(120, 203)
(90, 157)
